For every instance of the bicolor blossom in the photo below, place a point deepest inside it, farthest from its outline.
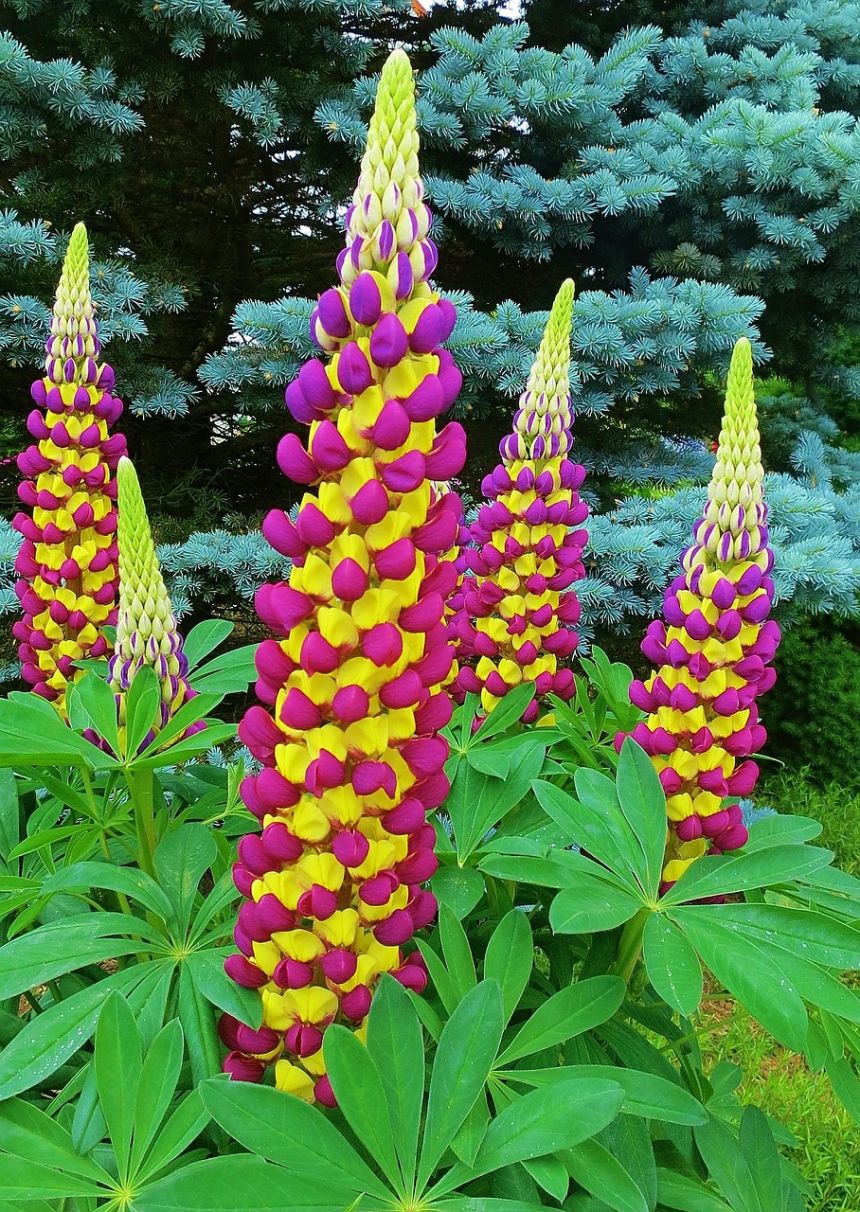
(513, 616)
(67, 561)
(352, 687)
(714, 648)
(146, 630)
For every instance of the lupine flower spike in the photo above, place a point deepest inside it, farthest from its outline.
(714, 648)
(67, 561)
(351, 760)
(146, 631)
(513, 620)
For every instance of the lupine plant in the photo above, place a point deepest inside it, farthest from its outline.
(523, 1033)
(512, 615)
(146, 630)
(352, 762)
(714, 647)
(67, 562)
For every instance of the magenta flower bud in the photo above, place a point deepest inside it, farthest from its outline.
(328, 771)
(318, 902)
(328, 449)
(313, 527)
(299, 407)
(244, 973)
(292, 974)
(350, 704)
(757, 610)
(394, 930)
(404, 474)
(425, 755)
(304, 1039)
(298, 712)
(423, 615)
(427, 400)
(370, 503)
(282, 846)
(382, 644)
(281, 607)
(429, 330)
(723, 594)
(353, 369)
(404, 691)
(726, 703)
(386, 240)
(365, 299)
(689, 829)
(332, 314)
(281, 534)
(243, 1068)
(272, 916)
(339, 965)
(350, 848)
(448, 454)
(356, 1003)
(397, 561)
(243, 879)
(389, 342)
(294, 461)
(392, 426)
(400, 276)
(349, 581)
(744, 779)
(260, 733)
(418, 867)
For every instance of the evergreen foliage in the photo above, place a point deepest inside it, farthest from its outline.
(695, 170)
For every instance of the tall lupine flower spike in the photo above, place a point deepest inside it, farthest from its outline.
(351, 760)
(714, 647)
(146, 631)
(67, 561)
(513, 619)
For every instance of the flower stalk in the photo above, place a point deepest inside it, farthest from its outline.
(67, 561)
(714, 647)
(513, 617)
(351, 760)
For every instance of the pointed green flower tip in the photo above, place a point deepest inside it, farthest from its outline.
(73, 300)
(544, 418)
(549, 373)
(146, 631)
(73, 346)
(738, 472)
(391, 154)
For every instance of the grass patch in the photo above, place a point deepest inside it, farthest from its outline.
(835, 806)
(780, 1083)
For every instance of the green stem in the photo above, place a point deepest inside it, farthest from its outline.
(630, 946)
(141, 784)
(34, 1001)
(55, 989)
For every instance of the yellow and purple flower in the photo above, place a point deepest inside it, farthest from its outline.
(714, 648)
(146, 630)
(67, 560)
(513, 617)
(351, 759)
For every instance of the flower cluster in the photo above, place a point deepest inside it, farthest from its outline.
(351, 762)
(512, 617)
(714, 647)
(67, 561)
(146, 631)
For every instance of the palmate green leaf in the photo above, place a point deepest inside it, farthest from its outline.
(590, 904)
(142, 707)
(728, 1165)
(198, 1023)
(183, 1126)
(645, 1094)
(643, 803)
(685, 1194)
(81, 877)
(238, 1183)
(214, 734)
(460, 888)
(672, 964)
(464, 1056)
(781, 829)
(457, 953)
(29, 1134)
(727, 873)
(505, 712)
(117, 1063)
(207, 972)
(30, 725)
(395, 1042)
(358, 1087)
(747, 970)
(812, 936)
(182, 858)
(61, 947)
(189, 713)
(92, 695)
(477, 800)
(598, 1171)
(544, 1121)
(595, 822)
(49, 1039)
(509, 958)
(32, 1180)
(156, 1086)
(229, 673)
(567, 1013)
(205, 638)
(292, 1133)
